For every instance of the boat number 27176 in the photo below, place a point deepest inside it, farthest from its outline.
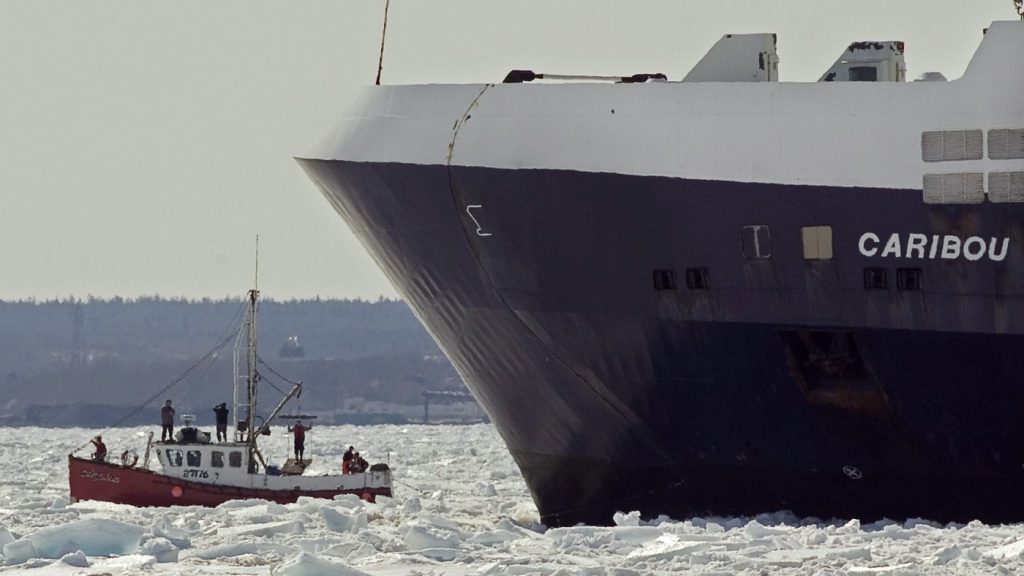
(196, 474)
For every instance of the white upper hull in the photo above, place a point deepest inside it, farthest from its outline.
(845, 134)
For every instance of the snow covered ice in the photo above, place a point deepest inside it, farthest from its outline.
(460, 507)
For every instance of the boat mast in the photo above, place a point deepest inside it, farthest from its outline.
(251, 376)
(251, 373)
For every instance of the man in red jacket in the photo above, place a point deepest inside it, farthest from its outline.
(299, 431)
(346, 461)
(101, 449)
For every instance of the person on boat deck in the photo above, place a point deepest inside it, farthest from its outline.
(346, 461)
(101, 449)
(359, 464)
(300, 438)
(220, 411)
(167, 421)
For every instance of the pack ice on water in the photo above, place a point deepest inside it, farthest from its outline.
(460, 507)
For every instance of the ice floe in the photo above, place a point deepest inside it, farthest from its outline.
(454, 512)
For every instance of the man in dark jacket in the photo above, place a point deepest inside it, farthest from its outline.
(167, 421)
(221, 413)
(359, 464)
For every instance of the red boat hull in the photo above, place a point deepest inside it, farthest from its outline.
(90, 480)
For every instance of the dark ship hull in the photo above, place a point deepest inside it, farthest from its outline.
(784, 385)
(718, 298)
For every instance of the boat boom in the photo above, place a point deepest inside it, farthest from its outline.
(295, 391)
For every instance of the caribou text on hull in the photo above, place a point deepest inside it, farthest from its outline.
(724, 295)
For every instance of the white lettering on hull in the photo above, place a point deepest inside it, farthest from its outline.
(100, 476)
(946, 247)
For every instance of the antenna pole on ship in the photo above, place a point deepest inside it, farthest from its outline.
(383, 34)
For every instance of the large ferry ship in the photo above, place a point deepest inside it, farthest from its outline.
(724, 294)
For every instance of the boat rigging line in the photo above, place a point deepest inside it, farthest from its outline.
(413, 488)
(259, 359)
(213, 353)
(383, 34)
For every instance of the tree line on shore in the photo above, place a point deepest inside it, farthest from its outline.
(118, 352)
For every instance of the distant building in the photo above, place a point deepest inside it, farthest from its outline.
(292, 349)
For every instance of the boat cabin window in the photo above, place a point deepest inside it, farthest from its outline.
(173, 457)
(235, 459)
(664, 279)
(876, 279)
(697, 279)
(217, 459)
(1006, 144)
(869, 62)
(194, 458)
(756, 241)
(908, 279)
(817, 242)
(863, 74)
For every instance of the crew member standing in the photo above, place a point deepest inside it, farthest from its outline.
(300, 438)
(220, 411)
(346, 461)
(167, 421)
(101, 449)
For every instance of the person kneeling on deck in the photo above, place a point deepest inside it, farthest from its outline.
(101, 449)
(300, 438)
(359, 464)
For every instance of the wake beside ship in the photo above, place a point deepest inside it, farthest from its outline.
(721, 295)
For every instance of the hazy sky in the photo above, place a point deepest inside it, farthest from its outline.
(144, 145)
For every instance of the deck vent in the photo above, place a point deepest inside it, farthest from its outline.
(961, 188)
(1006, 144)
(664, 279)
(876, 279)
(908, 279)
(950, 145)
(1006, 187)
(697, 279)
(756, 242)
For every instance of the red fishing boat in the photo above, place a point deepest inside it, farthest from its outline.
(192, 471)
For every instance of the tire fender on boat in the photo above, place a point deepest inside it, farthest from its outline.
(129, 458)
(177, 491)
